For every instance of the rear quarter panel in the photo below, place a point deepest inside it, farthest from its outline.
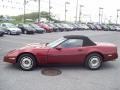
(108, 52)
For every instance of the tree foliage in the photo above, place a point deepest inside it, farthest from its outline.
(34, 16)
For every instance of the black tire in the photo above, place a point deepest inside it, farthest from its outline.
(26, 62)
(1, 34)
(25, 32)
(9, 32)
(94, 61)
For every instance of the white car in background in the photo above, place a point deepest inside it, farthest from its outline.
(117, 28)
(11, 29)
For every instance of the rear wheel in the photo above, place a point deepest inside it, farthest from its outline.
(9, 33)
(1, 34)
(26, 62)
(25, 32)
(94, 61)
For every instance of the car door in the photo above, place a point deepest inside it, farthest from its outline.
(69, 52)
(4, 27)
(21, 27)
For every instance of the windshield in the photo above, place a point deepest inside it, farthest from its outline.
(52, 25)
(57, 42)
(26, 25)
(59, 25)
(10, 25)
(34, 25)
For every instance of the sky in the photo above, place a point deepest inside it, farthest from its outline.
(90, 11)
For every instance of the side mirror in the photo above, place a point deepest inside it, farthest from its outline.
(46, 44)
(58, 48)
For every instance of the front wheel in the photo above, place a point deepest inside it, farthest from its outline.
(25, 32)
(26, 62)
(1, 34)
(93, 61)
(9, 32)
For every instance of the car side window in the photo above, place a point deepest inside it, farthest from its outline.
(71, 43)
(20, 25)
(3, 25)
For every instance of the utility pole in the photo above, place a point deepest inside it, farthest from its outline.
(39, 17)
(110, 20)
(49, 9)
(66, 9)
(80, 12)
(24, 3)
(76, 11)
(24, 11)
(117, 16)
(100, 15)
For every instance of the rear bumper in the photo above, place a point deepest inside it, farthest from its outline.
(30, 32)
(49, 30)
(111, 57)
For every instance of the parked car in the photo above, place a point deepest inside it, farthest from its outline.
(84, 27)
(54, 27)
(26, 29)
(67, 27)
(70, 49)
(10, 28)
(79, 26)
(1, 31)
(104, 27)
(112, 28)
(60, 27)
(91, 26)
(117, 27)
(37, 28)
(45, 26)
(75, 26)
(98, 27)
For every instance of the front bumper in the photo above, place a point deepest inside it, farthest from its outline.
(10, 59)
(110, 57)
(39, 31)
(2, 33)
(15, 32)
(30, 32)
(11, 56)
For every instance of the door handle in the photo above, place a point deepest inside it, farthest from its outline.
(80, 49)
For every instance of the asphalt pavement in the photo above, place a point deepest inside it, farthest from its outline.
(72, 77)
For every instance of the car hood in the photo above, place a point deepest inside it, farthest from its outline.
(2, 31)
(105, 44)
(39, 29)
(35, 46)
(14, 29)
(29, 28)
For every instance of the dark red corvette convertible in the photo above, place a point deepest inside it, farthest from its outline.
(71, 49)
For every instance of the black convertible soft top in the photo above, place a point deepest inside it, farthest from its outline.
(86, 40)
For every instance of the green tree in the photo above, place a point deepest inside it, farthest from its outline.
(34, 16)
